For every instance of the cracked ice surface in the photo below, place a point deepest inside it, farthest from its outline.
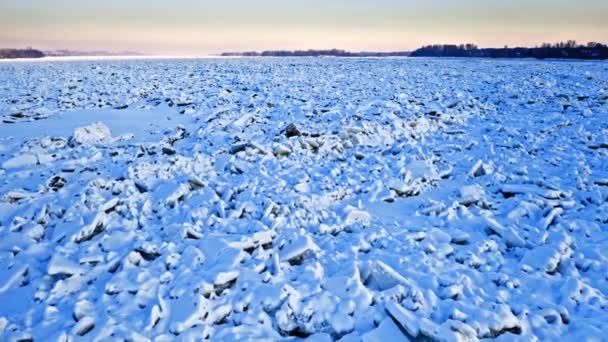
(354, 199)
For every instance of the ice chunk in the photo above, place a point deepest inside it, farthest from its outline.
(406, 319)
(297, 249)
(82, 308)
(60, 265)
(84, 326)
(548, 257)
(96, 133)
(20, 160)
(357, 216)
(185, 312)
(281, 150)
(553, 215)
(508, 234)
(480, 169)
(387, 330)
(16, 277)
(421, 169)
(342, 324)
(471, 194)
(96, 227)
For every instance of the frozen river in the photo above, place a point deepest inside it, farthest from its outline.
(353, 199)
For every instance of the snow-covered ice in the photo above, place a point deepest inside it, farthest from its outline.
(321, 199)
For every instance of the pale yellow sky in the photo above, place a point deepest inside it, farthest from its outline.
(204, 27)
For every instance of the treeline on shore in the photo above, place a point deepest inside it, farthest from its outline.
(566, 50)
(20, 53)
(315, 53)
(563, 50)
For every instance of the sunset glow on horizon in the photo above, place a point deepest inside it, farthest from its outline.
(207, 27)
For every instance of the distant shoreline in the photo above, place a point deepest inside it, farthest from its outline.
(564, 50)
(30, 53)
(315, 53)
(20, 53)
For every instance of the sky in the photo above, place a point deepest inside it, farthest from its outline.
(199, 27)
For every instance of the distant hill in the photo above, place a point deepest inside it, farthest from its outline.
(566, 50)
(314, 53)
(20, 53)
(33, 53)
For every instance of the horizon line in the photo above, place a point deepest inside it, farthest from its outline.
(127, 53)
